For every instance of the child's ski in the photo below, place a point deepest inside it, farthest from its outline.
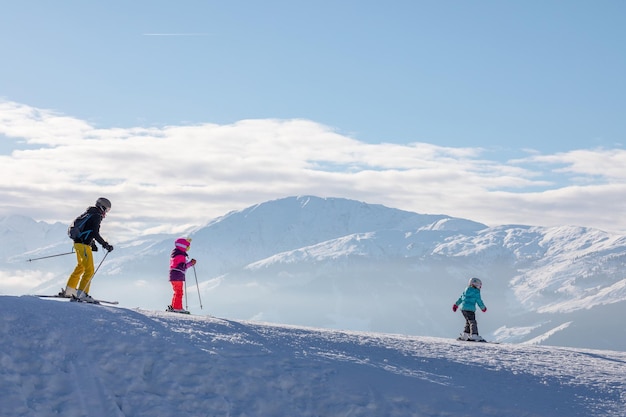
(460, 339)
(169, 309)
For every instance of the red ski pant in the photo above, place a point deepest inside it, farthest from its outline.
(177, 298)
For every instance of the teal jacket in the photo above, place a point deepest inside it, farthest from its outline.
(469, 299)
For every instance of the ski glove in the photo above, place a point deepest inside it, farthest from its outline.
(485, 310)
(192, 262)
(94, 248)
(108, 247)
(454, 307)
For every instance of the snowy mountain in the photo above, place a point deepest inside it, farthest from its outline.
(343, 264)
(74, 360)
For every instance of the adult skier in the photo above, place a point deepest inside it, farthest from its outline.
(87, 232)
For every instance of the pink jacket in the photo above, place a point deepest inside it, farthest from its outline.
(178, 265)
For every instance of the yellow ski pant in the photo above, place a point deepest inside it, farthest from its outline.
(81, 277)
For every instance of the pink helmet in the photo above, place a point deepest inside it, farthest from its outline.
(183, 243)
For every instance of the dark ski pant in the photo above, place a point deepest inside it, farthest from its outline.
(471, 326)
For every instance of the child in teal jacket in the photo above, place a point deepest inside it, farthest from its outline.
(467, 301)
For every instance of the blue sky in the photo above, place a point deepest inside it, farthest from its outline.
(541, 74)
(503, 81)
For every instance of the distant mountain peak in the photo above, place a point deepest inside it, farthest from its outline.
(324, 261)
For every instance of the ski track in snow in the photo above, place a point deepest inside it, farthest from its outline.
(75, 360)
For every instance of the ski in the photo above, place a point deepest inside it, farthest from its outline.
(476, 341)
(74, 299)
(172, 310)
(92, 301)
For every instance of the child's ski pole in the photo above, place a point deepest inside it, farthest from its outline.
(197, 286)
(186, 303)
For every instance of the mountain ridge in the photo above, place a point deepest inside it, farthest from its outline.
(346, 264)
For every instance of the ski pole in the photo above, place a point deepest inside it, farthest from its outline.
(51, 256)
(197, 286)
(186, 303)
(94, 272)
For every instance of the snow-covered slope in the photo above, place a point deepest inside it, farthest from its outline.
(343, 264)
(74, 360)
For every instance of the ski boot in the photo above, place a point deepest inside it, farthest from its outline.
(477, 338)
(83, 297)
(68, 292)
(176, 310)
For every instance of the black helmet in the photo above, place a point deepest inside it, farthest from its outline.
(103, 204)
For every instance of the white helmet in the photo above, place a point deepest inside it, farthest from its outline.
(475, 282)
(103, 204)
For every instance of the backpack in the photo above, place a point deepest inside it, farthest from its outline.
(75, 231)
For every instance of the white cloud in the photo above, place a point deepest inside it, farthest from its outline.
(601, 163)
(171, 177)
(18, 282)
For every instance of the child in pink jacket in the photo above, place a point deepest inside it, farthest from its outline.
(178, 267)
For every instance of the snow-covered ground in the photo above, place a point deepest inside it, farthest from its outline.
(70, 359)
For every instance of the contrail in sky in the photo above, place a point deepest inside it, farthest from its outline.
(175, 34)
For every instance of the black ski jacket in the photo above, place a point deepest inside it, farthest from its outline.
(91, 229)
